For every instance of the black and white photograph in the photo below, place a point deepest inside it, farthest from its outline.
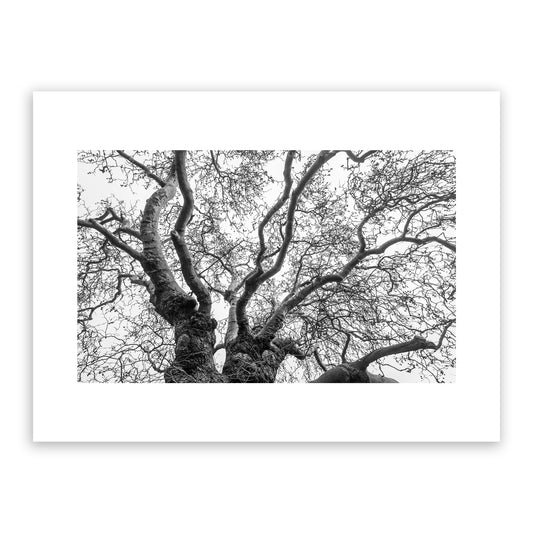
(210, 207)
(266, 266)
(243, 248)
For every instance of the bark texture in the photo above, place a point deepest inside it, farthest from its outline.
(195, 340)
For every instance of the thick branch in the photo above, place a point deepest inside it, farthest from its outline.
(277, 206)
(276, 319)
(232, 328)
(417, 343)
(169, 295)
(356, 372)
(320, 161)
(258, 277)
(229, 296)
(178, 235)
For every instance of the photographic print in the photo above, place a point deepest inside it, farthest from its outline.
(259, 266)
(264, 266)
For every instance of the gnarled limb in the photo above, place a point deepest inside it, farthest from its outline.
(276, 207)
(178, 236)
(170, 298)
(259, 276)
(356, 372)
(251, 360)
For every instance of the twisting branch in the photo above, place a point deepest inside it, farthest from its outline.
(356, 371)
(345, 349)
(277, 206)
(258, 276)
(319, 361)
(276, 319)
(169, 296)
(178, 235)
(360, 158)
(166, 295)
(214, 160)
(144, 168)
(187, 208)
(416, 343)
(321, 160)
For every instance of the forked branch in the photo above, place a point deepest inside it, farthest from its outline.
(356, 371)
(178, 235)
(259, 276)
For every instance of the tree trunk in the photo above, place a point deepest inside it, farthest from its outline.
(254, 359)
(193, 362)
(251, 360)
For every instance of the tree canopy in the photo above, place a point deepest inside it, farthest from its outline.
(254, 266)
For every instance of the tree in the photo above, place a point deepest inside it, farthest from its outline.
(318, 266)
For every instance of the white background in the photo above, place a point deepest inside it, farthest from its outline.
(225, 45)
(466, 122)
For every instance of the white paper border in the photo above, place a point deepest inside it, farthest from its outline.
(466, 122)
